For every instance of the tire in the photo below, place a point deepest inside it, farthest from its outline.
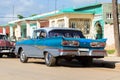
(68, 59)
(1, 55)
(23, 57)
(86, 61)
(50, 60)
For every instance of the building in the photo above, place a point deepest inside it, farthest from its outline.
(95, 21)
(23, 28)
(4, 29)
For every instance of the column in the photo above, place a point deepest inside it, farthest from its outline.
(56, 23)
(11, 31)
(18, 32)
(28, 29)
(66, 22)
(53, 23)
(50, 23)
(4, 30)
(38, 24)
(93, 29)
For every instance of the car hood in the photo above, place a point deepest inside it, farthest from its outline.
(6, 43)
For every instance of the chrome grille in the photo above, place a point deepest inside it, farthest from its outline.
(6, 48)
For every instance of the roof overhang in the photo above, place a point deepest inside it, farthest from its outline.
(4, 25)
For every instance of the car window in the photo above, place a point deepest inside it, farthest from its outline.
(66, 33)
(42, 34)
(76, 35)
(52, 34)
(3, 37)
(39, 34)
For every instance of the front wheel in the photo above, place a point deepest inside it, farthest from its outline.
(23, 57)
(50, 60)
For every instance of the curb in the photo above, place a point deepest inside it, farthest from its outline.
(112, 62)
(117, 66)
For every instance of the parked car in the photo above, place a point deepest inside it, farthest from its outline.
(7, 47)
(53, 44)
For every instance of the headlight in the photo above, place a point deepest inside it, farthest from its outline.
(70, 43)
(97, 44)
(12, 43)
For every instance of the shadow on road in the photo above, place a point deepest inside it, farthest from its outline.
(97, 63)
(76, 64)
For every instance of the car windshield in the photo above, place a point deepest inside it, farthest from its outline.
(66, 33)
(2, 37)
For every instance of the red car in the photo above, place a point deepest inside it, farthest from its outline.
(7, 47)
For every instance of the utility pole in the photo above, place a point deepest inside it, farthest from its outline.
(13, 12)
(48, 5)
(55, 6)
(116, 27)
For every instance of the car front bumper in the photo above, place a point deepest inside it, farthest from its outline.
(9, 50)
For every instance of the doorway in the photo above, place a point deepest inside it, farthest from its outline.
(99, 32)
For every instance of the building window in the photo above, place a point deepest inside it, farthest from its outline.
(109, 15)
(61, 23)
(73, 25)
(86, 27)
(82, 24)
(119, 15)
(53, 23)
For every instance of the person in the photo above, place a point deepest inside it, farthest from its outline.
(42, 35)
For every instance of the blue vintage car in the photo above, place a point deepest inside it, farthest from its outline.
(52, 44)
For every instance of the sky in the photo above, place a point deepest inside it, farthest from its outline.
(26, 8)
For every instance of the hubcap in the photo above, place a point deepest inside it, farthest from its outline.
(48, 58)
(22, 56)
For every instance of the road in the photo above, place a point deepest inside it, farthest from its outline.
(35, 69)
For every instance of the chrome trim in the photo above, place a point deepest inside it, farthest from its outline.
(83, 49)
(85, 53)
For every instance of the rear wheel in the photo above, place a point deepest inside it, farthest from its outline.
(50, 60)
(23, 57)
(68, 59)
(86, 61)
(1, 55)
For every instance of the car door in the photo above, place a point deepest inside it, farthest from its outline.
(39, 45)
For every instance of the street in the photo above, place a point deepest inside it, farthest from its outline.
(35, 69)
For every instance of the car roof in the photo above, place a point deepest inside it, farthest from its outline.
(47, 29)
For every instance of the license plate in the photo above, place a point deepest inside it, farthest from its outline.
(83, 49)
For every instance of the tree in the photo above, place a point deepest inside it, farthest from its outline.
(20, 16)
(33, 15)
(116, 27)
